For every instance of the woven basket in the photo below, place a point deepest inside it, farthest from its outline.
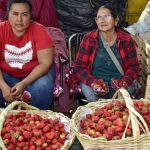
(33, 110)
(137, 142)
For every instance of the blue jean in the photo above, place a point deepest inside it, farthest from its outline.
(88, 92)
(41, 90)
(90, 95)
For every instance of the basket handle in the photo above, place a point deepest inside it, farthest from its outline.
(134, 116)
(4, 113)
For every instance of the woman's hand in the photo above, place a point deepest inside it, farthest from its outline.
(119, 83)
(100, 87)
(6, 91)
(17, 90)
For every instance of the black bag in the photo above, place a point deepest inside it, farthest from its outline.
(76, 16)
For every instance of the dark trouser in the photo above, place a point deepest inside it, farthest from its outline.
(41, 90)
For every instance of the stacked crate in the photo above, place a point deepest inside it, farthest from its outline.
(147, 92)
(143, 52)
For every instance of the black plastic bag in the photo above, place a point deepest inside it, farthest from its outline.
(77, 16)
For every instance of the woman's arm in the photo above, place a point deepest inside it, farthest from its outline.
(82, 64)
(131, 64)
(6, 90)
(45, 59)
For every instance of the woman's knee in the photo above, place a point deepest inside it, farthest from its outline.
(42, 91)
(88, 92)
(45, 82)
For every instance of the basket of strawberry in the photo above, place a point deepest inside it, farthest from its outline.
(28, 128)
(113, 124)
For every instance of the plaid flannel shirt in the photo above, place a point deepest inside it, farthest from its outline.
(87, 51)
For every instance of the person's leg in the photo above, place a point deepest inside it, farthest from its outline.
(88, 93)
(11, 81)
(42, 90)
(111, 92)
(2, 101)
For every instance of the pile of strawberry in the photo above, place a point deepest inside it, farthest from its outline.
(23, 131)
(110, 121)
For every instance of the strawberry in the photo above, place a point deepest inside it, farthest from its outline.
(56, 127)
(98, 134)
(89, 116)
(111, 130)
(95, 118)
(20, 138)
(21, 144)
(109, 106)
(26, 96)
(57, 134)
(28, 127)
(6, 141)
(22, 114)
(46, 128)
(32, 147)
(39, 142)
(84, 123)
(129, 132)
(101, 121)
(56, 121)
(92, 125)
(107, 114)
(61, 129)
(108, 136)
(119, 129)
(145, 110)
(118, 114)
(27, 134)
(49, 147)
(8, 128)
(25, 121)
(3, 131)
(37, 133)
(11, 147)
(9, 116)
(43, 137)
(13, 140)
(7, 136)
(44, 145)
(41, 125)
(99, 128)
(50, 135)
(61, 125)
(118, 122)
(61, 140)
(26, 148)
(107, 123)
(36, 117)
(91, 132)
(54, 141)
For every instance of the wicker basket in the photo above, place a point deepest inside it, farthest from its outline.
(137, 142)
(33, 110)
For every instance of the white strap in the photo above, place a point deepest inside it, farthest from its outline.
(112, 56)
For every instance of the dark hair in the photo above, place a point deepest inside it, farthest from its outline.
(111, 9)
(11, 2)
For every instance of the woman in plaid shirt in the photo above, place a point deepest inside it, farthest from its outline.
(94, 70)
